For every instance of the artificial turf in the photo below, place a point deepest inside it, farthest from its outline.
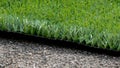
(95, 23)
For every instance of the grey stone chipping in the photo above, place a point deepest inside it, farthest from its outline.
(25, 54)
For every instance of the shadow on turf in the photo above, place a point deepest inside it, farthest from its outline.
(57, 43)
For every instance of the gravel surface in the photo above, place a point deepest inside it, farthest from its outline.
(26, 54)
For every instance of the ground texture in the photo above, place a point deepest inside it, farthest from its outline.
(26, 54)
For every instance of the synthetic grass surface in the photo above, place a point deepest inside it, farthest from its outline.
(95, 23)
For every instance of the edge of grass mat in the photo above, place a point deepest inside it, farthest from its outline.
(60, 43)
(89, 36)
(93, 23)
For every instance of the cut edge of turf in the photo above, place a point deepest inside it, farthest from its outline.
(71, 33)
(60, 43)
